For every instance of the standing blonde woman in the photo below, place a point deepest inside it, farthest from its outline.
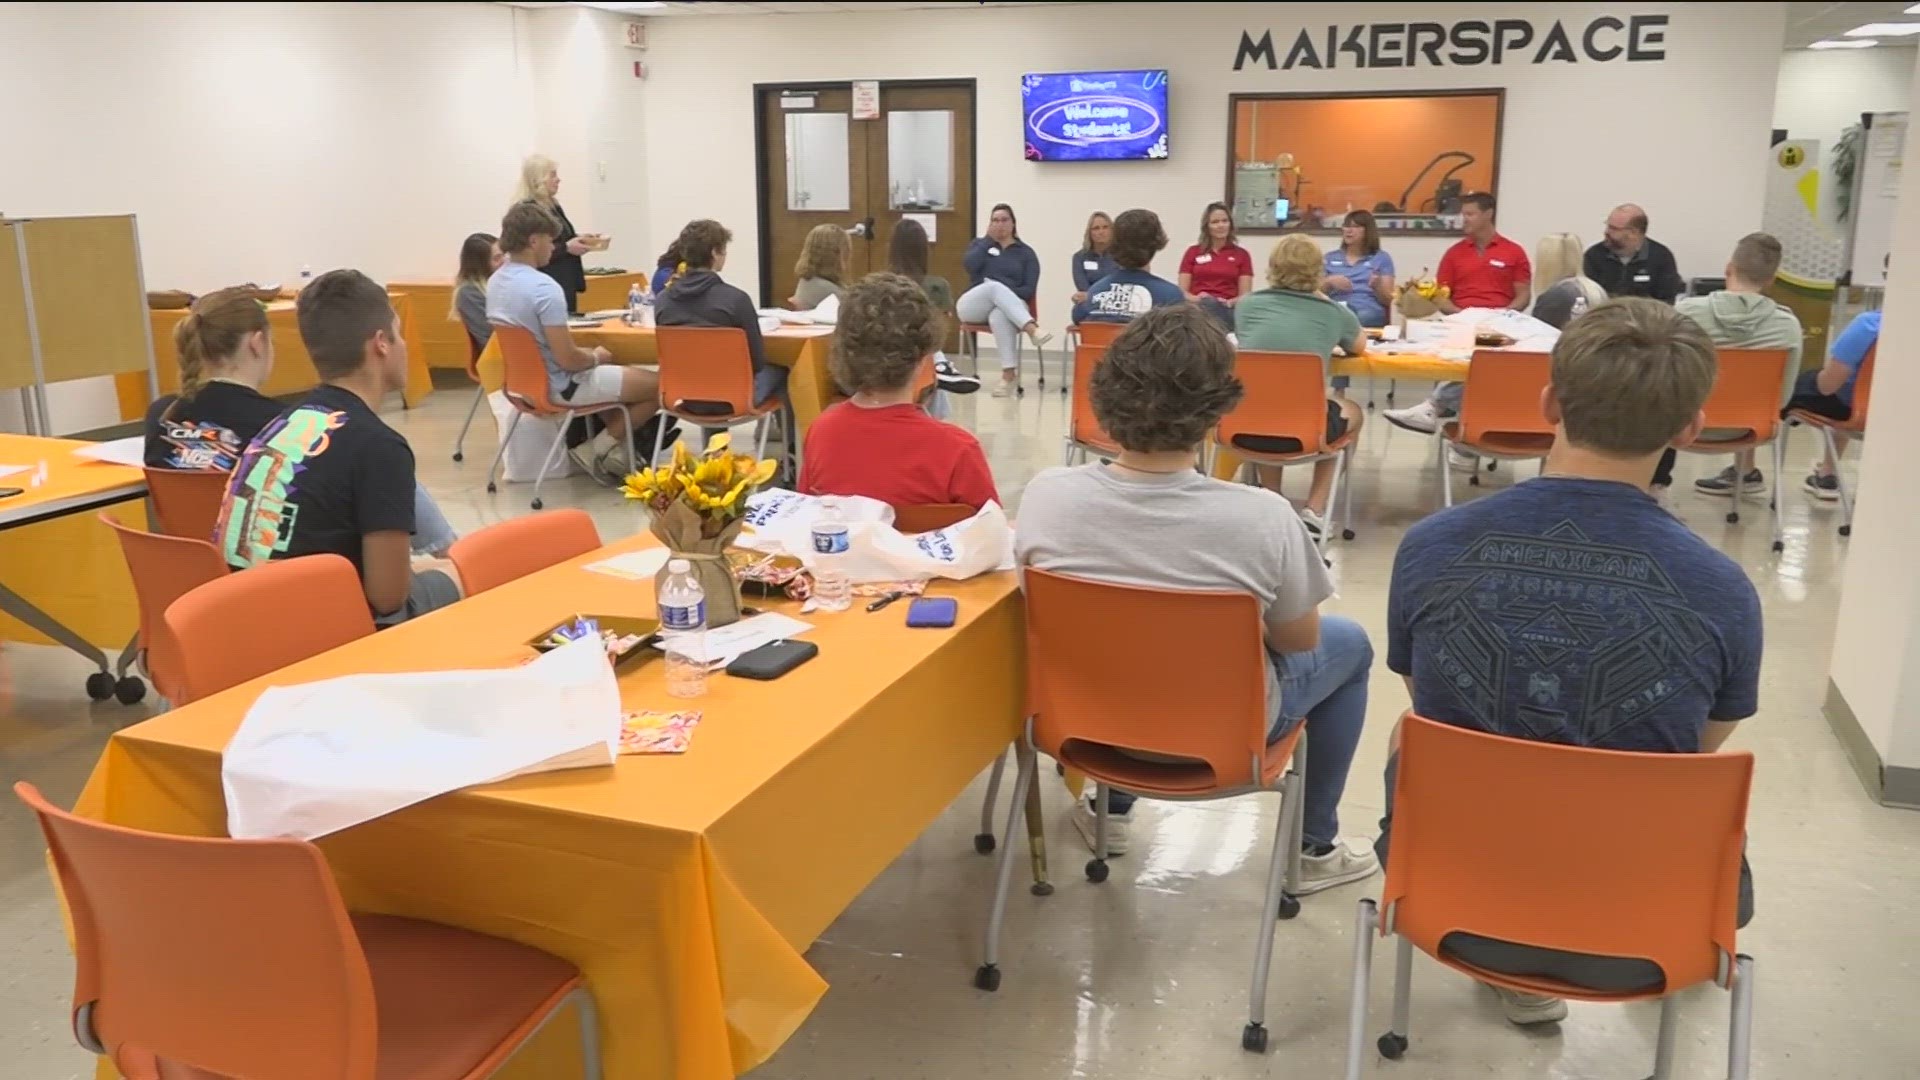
(540, 184)
(822, 267)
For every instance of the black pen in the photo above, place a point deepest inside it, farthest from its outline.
(885, 600)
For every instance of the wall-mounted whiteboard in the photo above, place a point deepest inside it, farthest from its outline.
(1876, 192)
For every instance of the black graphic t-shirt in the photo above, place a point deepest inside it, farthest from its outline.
(315, 481)
(208, 430)
(1573, 611)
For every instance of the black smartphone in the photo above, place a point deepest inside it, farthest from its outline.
(772, 660)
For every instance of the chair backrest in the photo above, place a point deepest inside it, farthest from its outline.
(1109, 664)
(1561, 847)
(1286, 398)
(225, 638)
(524, 371)
(186, 502)
(475, 347)
(1084, 427)
(164, 568)
(927, 517)
(1099, 332)
(1746, 391)
(705, 363)
(1862, 390)
(513, 549)
(1502, 395)
(233, 956)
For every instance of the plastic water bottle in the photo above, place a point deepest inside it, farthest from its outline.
(832, 591)
(683, 615)
(635, 299)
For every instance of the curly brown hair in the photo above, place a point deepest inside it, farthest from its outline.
(1136, 238)
(700, 241)
(887, 326)
(1166, 380)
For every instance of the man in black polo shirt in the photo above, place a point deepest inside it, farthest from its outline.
(1627, 263)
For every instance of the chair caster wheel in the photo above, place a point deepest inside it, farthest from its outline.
(1392, 1046)
(1042, 888)
(1096, 871)
(1289, 905)
(1063, 391)
(1059, 769)
(491, 489)
(1779, 545)
(1492, 465)
(1254, 1038)
(983, 843)
(537, 504)
(987, 978)
(458, 456)
(99, 686)
(1733, 517)
(1474, 480)
(1846, 530)
(1346, 534)
(130, 690)
(1019, 391)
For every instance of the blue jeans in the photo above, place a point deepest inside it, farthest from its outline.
(1328, 688)
(432, 535)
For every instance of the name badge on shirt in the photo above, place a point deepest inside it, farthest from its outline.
(1204, 259)
(1496, 263)
(1642, 279)
(1090, 264)
(994, 251)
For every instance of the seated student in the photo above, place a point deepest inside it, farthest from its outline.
(822, 267)
(1829, 392)
(1132, 289)
(1561, 582)
(666, 268)
(480, 256)
(701, 298)
(878, 443)
(907, 254)
(1150, 518)
(518, 294)
(1739, 317)
(330, 477)
(1295, 315)
(226, 351)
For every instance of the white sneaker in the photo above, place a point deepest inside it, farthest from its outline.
(1040, 339)
(1423, 418)
(1002, 388)
(1350, 860)
(1462, 462)
(1525, 1009)
(1316, 525)
(1118, 825)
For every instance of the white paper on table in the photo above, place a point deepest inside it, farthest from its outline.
(9, 470)
(131, 450)
(313, 759)
(720, 646)
(784, 316)
(769, 324)
(643, 565)
(826, 312)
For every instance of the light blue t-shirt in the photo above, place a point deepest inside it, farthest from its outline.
(519, 295)
(1360, 299)
(1851, 349)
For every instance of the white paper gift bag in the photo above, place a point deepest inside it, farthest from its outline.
(314, 759)
(781, 523)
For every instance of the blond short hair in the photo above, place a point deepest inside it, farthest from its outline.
(1296, 264)
(1630, 375)
(1756, 258)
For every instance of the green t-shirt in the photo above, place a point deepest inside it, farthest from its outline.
(1279, 320)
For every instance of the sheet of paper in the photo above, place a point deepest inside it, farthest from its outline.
(801, 331)
(724, 644)
(641, 565)
(929, 222)
(131, 450)
(9, 470)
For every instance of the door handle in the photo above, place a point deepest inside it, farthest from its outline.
(862, 229)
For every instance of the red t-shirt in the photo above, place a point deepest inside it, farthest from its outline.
(897, 454)
(1484, 279)
(1216, 273)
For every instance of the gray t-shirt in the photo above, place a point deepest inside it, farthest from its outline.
(519, 295)
(811, 292)
(1183, 531)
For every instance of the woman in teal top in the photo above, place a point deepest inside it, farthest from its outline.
(1294, 315)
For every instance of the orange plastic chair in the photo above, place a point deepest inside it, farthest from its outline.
(709, 365)
(1092, 332)
(1092, 695)
(513, 549)
(1853, 427)
(223, 641)
(164, 568)
(927, 517)
(1746, 396)
(1545, 845)
(1286, 398)
(970, 344)
(186, 502)
(1500, 415)
(526, 388)
(1084, 433)
(474, 348)
(205, 957)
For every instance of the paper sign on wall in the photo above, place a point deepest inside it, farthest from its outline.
(925, 221)
(636, 35)
(866, 100)
(791, 101)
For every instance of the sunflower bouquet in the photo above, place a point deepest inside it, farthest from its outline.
(1421, 296)
(696, 507)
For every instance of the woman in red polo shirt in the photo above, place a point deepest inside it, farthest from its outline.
(1216, 272)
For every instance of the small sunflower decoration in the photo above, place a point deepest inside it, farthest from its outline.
(696, 506)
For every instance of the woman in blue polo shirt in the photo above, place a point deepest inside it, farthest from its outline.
(1360, 275)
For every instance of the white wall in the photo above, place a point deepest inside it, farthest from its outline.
(1683, 136)
(1823, 91)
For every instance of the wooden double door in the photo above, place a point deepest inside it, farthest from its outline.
(820, 166)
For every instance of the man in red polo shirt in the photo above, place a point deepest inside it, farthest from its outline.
(1484, 270)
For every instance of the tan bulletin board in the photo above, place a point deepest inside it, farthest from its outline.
(89, 305)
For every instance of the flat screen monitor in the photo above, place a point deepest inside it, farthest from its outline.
(1095, 115)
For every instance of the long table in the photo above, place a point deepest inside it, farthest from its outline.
(443, 339)
(686, 888)
(803, 349)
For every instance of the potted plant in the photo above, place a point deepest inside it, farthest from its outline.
(695, 507)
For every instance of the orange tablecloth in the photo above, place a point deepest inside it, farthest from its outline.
(292, 368)
(804, 350)
(53, 553)
(443, 340)
(686, 888)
